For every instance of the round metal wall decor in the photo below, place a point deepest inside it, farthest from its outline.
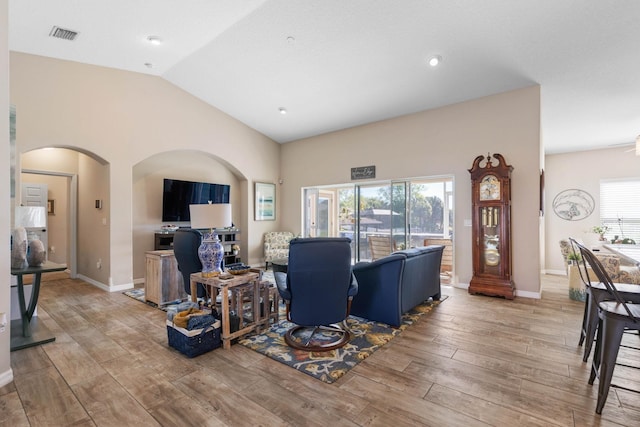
(573, 204)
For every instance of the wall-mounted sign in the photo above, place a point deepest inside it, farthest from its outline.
(363, 172)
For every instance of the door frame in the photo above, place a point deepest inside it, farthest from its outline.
(72, 265)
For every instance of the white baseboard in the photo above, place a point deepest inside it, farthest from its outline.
(556, 272)
(528, 294)
(112, 288)
(6, 377)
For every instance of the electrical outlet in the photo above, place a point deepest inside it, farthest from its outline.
(99, 264)
(3, 322)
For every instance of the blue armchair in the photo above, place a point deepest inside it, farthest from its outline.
(318, 290)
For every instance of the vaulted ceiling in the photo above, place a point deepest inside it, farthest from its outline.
(334, 64)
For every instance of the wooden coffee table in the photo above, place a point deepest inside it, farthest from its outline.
(237, 285)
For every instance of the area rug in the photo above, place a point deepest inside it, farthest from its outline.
(367, 337)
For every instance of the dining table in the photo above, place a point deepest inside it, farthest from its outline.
(629, 253)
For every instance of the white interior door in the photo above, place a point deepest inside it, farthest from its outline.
(36, 195)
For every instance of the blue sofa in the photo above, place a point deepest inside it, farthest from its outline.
(393, 285)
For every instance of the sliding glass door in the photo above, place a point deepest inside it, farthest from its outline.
(406, 212)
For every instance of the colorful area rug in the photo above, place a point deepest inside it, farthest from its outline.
(367, 337)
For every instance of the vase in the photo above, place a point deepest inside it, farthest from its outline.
(19, 248)
(211, 252)
(577, 289)
(36, 254)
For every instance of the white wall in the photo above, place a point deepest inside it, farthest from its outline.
(6, 375)
(580, 170)
(440, 142)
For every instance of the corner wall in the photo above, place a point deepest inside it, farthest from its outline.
(6, 375)
(438, 142)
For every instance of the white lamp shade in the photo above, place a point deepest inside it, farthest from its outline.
(214, 215)
(31, 216)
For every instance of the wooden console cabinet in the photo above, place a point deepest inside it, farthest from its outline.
(163, 280)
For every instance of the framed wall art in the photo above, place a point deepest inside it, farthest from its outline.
(265, 201)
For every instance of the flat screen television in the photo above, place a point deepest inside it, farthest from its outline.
(177, 195)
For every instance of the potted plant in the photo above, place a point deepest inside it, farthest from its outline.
(600, 230)
(573, 258)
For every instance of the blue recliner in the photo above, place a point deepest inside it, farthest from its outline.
(318, 290)
(186, 242)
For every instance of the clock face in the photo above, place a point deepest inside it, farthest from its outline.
(490, 188)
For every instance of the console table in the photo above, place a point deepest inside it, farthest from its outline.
(237, 285)
(29, 332)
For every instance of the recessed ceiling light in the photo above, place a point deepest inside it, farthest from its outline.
(282, 110)
(155, 40)
(291, 40)
(148, 64)
(434, 61)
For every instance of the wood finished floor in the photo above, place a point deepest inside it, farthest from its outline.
(473, 361)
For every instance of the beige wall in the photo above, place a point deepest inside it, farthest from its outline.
(437, 142)
(125, 118)
(580, 170)
(6, 375)
(92, 233)
(148, 178)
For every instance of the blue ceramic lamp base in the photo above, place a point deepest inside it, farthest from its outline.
(211, 253)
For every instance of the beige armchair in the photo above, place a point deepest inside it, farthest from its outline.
(618, 273)
(276, 245)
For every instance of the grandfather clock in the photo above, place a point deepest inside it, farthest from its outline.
(491, 220)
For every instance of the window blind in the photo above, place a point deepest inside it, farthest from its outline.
(620, 208)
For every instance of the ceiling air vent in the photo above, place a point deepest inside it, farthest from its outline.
(61, 33)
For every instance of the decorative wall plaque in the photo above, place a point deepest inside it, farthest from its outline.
(573, 204)
(363, 172)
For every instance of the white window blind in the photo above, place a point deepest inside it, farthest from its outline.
(620, 208)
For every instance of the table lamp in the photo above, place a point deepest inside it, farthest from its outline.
(32, 217)
(211, 251)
